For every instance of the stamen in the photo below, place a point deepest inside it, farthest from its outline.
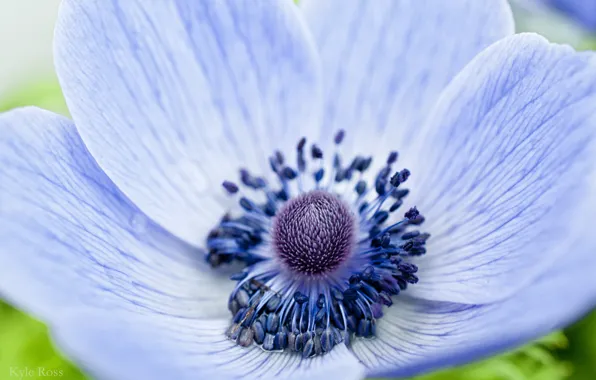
(319, 265)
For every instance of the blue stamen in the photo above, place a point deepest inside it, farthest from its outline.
(281, 304)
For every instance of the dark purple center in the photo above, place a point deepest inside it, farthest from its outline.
(314, 233)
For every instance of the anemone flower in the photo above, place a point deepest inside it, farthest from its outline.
(313, 260)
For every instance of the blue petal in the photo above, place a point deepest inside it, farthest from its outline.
(580, 11)
(506, 161)
(385, 62)
(70, 240)
(124, 348)
(417, 336)
(171, 97)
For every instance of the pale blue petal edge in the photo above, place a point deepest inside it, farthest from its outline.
(507, 155)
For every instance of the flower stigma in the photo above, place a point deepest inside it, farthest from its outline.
(322, 253)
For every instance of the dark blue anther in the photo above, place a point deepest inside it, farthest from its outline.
(368, 273)
(380, 217)
(408, 268)
(410, 235)
(376, 242)
(336, 294)
(242, 298)
(361, 164)
(321, 301)
(361, 187)
(339, 136)
(238, 276)
(404, 175)
(301, 144)
(289, 173)
(400, 193)
(327, 340)
(395, 180)
(233, 307)
(269, 342)
(230, 187)
(319, 174)
(381, 186)
(316, 152)
(417, 251)
(363, 328)
(283, 195)
(273, 303)
(397, 204)
(384, 173)
(239, 315)
(299, 342)
(337, 335)
(366, 163)
(247, 204)
(392, 158)
(281, 340)
(400, 177)
(350, 294)
(352, 322)
(412, 213)
(418, 220)
(385, 299)
(337, 318)
(258, 332)
(272, 322)
(309, 349)
(245, 177)
(354, 279)
(300, 298)
(279, 157)
(363, 207)
(269, 209)
(273, 165)
(245, 338)
(370, 291)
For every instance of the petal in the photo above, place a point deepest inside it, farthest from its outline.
(171, 97)
(386, 62)
(134, 348)
(507, 155)
(69, 239)
(581, 11)
(417, 336)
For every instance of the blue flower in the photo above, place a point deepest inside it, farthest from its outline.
(116, 231)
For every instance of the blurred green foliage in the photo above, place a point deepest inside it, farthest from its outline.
(25, 342)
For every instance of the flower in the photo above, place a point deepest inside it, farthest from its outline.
(104, 218)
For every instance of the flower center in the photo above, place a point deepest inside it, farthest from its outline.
(324, 251)
(314, 233)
